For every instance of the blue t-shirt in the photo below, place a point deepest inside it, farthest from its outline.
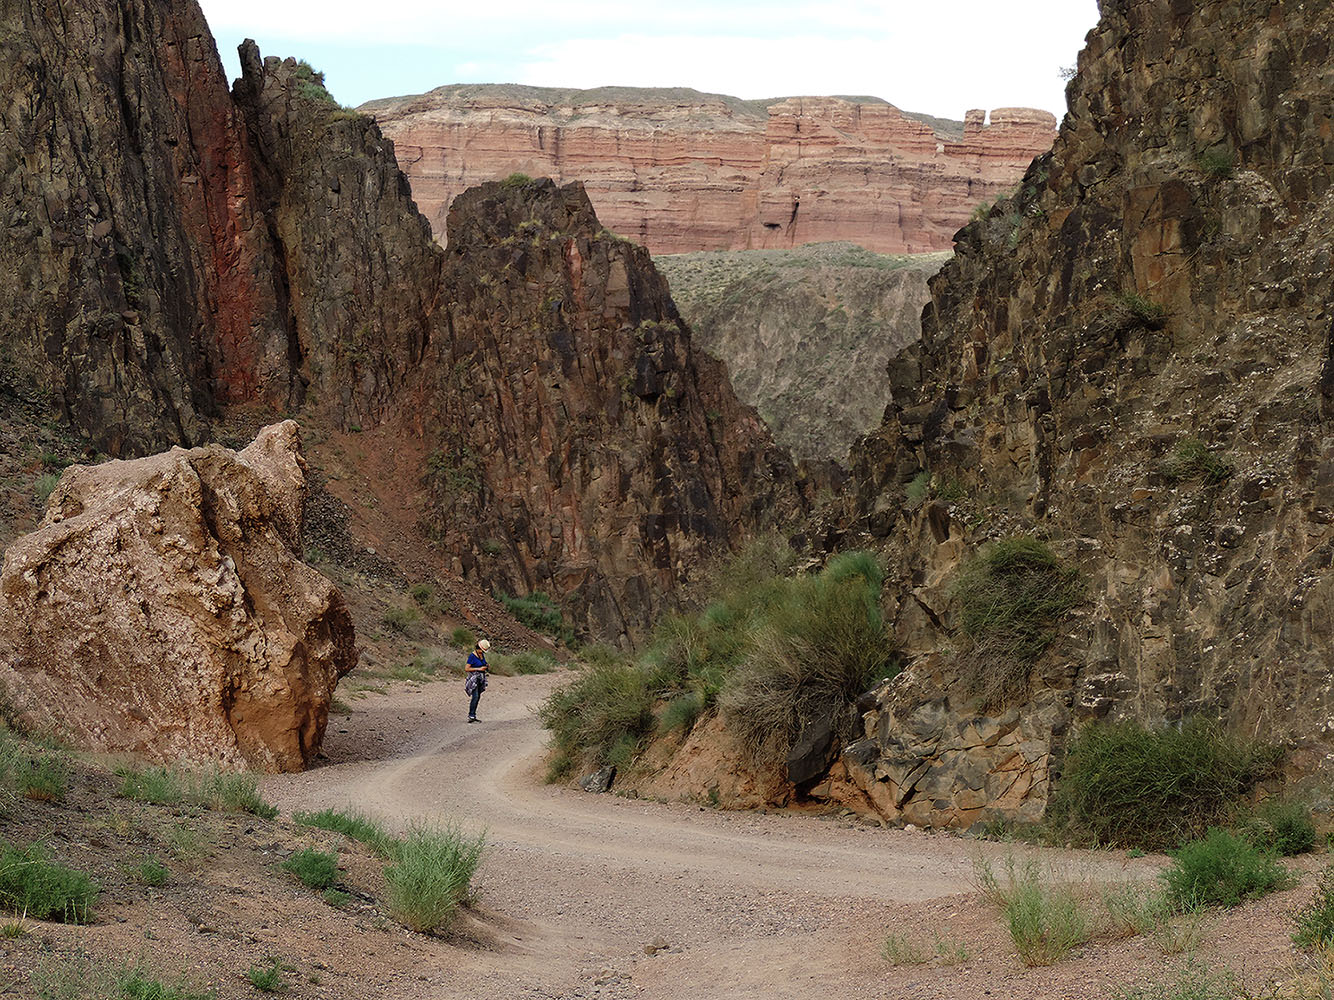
(477, 660)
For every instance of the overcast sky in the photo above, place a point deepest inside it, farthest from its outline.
(941, 57)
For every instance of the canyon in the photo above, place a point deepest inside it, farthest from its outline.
(681, 171)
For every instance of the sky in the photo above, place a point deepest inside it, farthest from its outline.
(939, 57)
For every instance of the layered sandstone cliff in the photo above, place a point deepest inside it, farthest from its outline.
(678, 171)
(1132, 361)
(806, 333)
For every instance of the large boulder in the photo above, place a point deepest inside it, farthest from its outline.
(162, 607)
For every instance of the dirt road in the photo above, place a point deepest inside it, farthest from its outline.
(575, 886)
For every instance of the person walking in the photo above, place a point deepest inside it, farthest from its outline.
(477, 671)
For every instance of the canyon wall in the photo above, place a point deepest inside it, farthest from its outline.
(807, 333)
(183, 254)
(679, 171)
(1132, 361)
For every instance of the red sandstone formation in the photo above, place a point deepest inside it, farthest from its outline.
(679, 170)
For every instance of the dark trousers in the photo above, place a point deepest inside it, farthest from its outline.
(476, 697)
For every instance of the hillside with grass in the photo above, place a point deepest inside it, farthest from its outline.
(807, 334)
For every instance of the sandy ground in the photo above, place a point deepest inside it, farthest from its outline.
(574, 886)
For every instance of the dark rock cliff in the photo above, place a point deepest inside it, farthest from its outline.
(180, 253)
(579, 444)
(1131, 360)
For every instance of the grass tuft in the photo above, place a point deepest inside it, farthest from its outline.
(315, 869)
(152, 872)
(268, 978)
(224, 791)
(1192, 459)
(1315, 920)
(430, 875)
(1285, 828)
(1045, 919)
(353, 824)
(33, 884)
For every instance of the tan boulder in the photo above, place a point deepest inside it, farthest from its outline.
(162, 607)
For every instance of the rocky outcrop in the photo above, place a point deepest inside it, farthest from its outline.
(681, 171)
(806, 334)
(173, 249)
(1129, 359)
(162, 607)
(579, 445)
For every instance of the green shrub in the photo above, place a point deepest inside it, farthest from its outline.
(534, 662)
(423, 594)
(462, 638)
(268, 978)
(607, 706)
(31, 883)
(310, 84)
(1192, 459)
(152, 872)
(918, 490)
(355, 825)
(1045, 920)
(315, 869)
(1221, 870)
(430, 875)
(45, 486)
(401, 619)
(516, 180)
(821, 644)
(337, 898)
(1012, 597)
(1122, 784)
(1315, 920)
(1135, 908)
(1141, 310)
(79, 979)
(682, 711)
(1218, 163)
(1284, 828)
(537, 611)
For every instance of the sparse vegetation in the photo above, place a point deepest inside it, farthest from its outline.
(1283, 827)
(1221, 870)
(898, 949)
(337, 898)
(352, 824)
(462, 638)
(401, 618)
(221, 790)
(516, 180)
(430, 875)
(314, 869)
(33, 884)
(769, 650)
(268, 978)
(152, 872)
(1044, 918)
(44, 487)
(538, 611)
(1012, 597)
(1192, 981)
(1218, 163)
(1143, 311)
(1126, 785)
(1192, 459)
(1315, 920)
(534, 662)
(310, 84)
(79, 979)
(32, 770)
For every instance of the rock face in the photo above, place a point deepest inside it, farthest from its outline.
(681, 171)
(806, 333)
(162, 607)
(578, 444)
(216, 250)
(1132, 360)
